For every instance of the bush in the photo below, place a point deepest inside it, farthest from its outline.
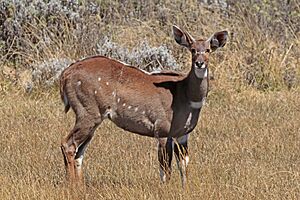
(258, 53)
(144, 56)
(47, 72)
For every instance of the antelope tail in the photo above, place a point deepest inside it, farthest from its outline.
(63, 94)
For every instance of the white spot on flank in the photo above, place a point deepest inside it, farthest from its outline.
(129, 107)
(79, 83)
(99, 79)
(118, 100)
(136, 109)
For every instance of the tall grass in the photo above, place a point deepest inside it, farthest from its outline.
(246, 146)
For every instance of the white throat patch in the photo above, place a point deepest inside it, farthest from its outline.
(200, 73)
(197, 104)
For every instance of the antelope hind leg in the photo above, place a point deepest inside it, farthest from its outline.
(73, 148)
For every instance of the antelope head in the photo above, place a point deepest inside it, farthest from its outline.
(200, 49)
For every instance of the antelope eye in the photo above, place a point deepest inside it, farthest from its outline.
(207, 50)
(193, 51)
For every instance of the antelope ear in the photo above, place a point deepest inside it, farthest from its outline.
(218, 40)
(182, 37)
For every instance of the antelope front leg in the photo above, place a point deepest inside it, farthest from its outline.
(165, 154)
(182, 157)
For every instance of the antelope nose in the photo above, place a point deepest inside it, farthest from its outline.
(200, 64)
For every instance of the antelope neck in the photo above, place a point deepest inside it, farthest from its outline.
(196, 90)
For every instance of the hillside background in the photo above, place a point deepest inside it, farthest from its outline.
(246, 145)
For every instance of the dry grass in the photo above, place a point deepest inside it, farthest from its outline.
(246, 146)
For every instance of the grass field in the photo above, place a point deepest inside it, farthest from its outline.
(246, 146)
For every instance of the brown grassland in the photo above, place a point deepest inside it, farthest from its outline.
(245, 146)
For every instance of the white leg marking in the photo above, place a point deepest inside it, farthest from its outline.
(162, 174)
(114, 94)
(124, 104)
(78, 161)
(143, 112)
(79, 83)
(136, 109)
(187, 160)
(107, 83)
(129, 107)
(99, 79)
(118, 100)
(95, 91)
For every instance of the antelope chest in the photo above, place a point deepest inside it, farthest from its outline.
(185, 122)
